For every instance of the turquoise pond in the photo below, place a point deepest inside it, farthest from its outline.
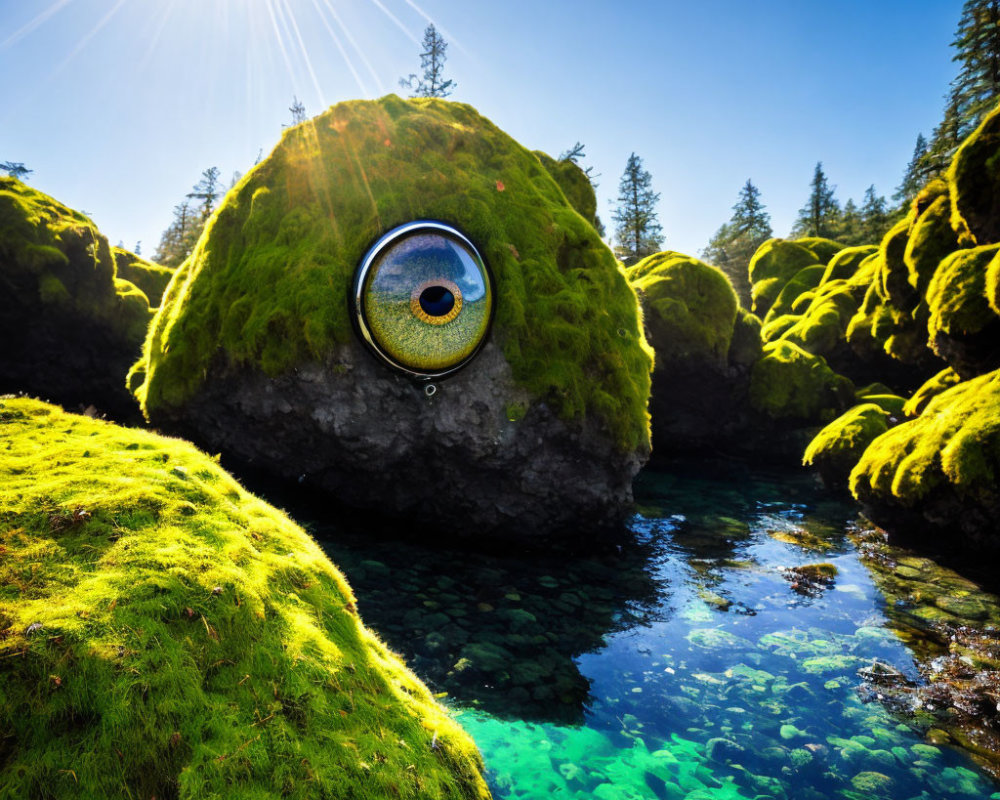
(690, 660)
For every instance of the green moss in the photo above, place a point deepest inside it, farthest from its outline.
(167, 634)
(792, 297)
(892, 275)
(846, 263)
(890, 403)
(956, 295)
(778, 326)
(788, 382)
(151, 278)
(930, 240)
(575, 185)
(836, 449)
(822, 249)
(955, 442)
(972, 178)
(746, 346)
(652, 263)
(775, 262)
(822, 326)
(267, 284)
(945, 379)
(57, 255)
(689, 307)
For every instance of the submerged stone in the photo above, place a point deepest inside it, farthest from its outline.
(253, 352)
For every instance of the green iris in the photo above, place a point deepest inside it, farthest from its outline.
(424, 299)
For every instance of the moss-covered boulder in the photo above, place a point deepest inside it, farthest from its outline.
(836, 448)
(945, 379)
(964, 330)
(254, 354)
(939, 472)
(574, 183)
(71, 326)
(704, 345)
(772, 266)
(790, 383)
(973, 180)
(931, 237)
(163, 633)
(847, 262)
(797, 293)
(151, 278)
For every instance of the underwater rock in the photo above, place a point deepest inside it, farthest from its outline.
(70, 324)
(178, 637)
(253, 353)
(939, 472)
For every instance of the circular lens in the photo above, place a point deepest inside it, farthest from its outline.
(423, 299)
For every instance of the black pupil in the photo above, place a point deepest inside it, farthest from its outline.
(436, 301)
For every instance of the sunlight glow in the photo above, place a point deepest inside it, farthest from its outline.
(26, 29)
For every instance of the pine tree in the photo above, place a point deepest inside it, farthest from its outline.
(849, 229)
(298, 111)
(180, 237)
(976, 88)
(734, 244)
(818, 216)
(432, 59)
(875, 219)
(916, 173)
(637, 228)
(15, 169)
(138, 248)
(207, 190)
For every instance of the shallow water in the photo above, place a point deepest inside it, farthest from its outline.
(685, 662)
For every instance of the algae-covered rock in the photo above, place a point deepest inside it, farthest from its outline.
(789, 382)
(167, 634)
(963, 329)
(151, 278)
(973, 178)
(836, 449)
(574, 183)
(939, 472)
(847, 262)
(704, 345)
(253, 351)
(70, 325)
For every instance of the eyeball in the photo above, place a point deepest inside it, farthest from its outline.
(423, 299)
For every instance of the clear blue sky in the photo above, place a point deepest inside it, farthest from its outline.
(118, 105)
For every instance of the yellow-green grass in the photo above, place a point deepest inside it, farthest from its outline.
(267, 284)
(164, 633)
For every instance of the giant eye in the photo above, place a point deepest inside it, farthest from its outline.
(423, 299)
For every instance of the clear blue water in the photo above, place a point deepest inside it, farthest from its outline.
(684, 662)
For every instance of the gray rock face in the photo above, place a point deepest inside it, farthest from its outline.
(451, 459)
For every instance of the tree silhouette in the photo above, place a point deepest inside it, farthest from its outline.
(432, 59)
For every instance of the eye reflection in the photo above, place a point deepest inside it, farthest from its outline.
(423, 299)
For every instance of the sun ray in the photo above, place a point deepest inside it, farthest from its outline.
(353, 42)
(93, 32)
(30, 26)
(411, 36)
(281, 42)
(157, 33)
(343, 52)
(305, 54)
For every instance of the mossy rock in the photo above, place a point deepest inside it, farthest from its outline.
(789, 382)
(824, 249)
(575, 184)
(689, 308)
(892, 404)
(796, 294)
(974, 185)
(945, 379)
(822, 326)
(837, 447)
(939, 471)
(964, 330)
(70, 324)
(775, 262)
(846, 263)
(892, 275)
(253, 353)
(930, 239)
(704, 345)
(167, 634)
(151, 278)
